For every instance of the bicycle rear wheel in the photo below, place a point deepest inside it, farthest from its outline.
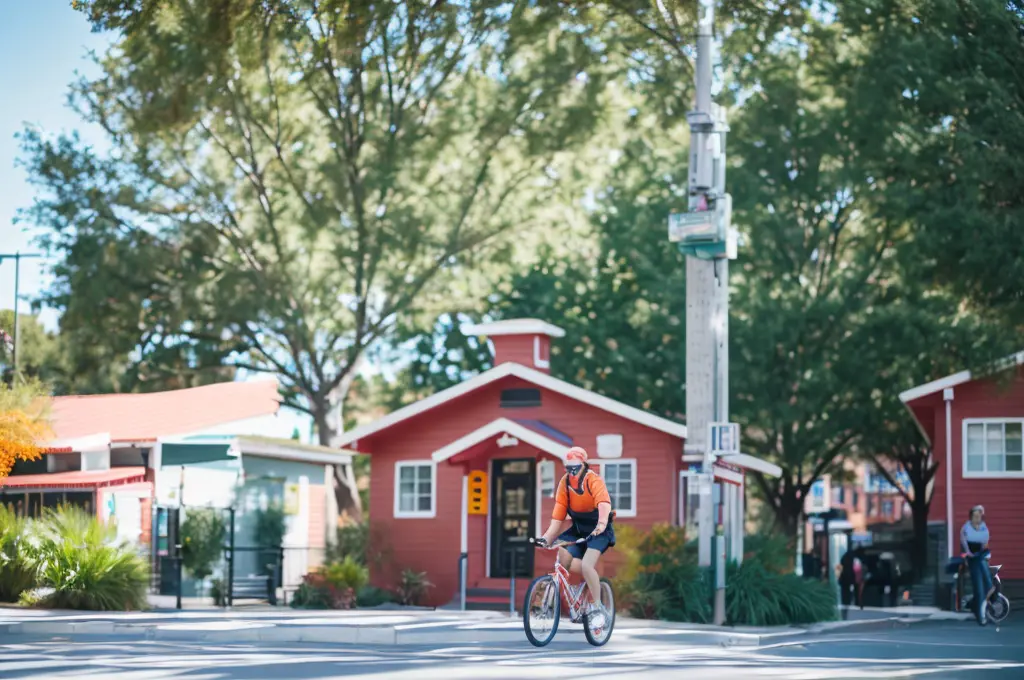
(600, 635)
(542, 607)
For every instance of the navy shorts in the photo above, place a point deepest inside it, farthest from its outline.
(600, 543)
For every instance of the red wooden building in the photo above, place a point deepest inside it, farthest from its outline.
(507, 430)
(974, 424)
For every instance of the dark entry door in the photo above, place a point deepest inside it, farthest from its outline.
(513, 514)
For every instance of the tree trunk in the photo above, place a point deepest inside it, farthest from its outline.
(919, 505)
(346, 490)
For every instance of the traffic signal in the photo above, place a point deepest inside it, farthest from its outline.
(478, 492)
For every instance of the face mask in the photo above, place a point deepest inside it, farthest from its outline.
(574, 470)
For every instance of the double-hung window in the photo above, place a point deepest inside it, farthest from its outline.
(415, 489)
(993, 447)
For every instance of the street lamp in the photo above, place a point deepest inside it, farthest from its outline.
(17, 257)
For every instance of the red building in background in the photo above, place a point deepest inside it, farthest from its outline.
(508, 429)
(974, 424)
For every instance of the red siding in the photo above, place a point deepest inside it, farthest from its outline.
(432, 545)
(1001, 497)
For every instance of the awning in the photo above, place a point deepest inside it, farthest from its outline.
(78, 479)
(503, 432)
(198, 449)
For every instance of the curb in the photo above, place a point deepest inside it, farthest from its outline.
(244, 632)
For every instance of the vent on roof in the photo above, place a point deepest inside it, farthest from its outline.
(520, 397)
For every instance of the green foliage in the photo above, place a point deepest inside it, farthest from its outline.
(774, 551)
(18, 568)
(270, 526)
(666, 582)
(310, 596)
(368, 596)
(757, 596)
(202, 540)
(347, 574)
(334, 586)
(351, 541)
(412, 587)
(83, 566)
(219, 592)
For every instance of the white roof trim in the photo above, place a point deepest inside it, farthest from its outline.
(498, 427)
(748, 462)
(957, 379)
(91, 442)
(514, 327)
(303, 453)
(525, 373)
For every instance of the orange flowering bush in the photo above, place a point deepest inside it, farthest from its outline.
(24, 423)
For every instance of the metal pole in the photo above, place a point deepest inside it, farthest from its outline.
(512, 586)
(231, 558)
(17, 279)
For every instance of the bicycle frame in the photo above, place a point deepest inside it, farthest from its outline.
(571, 595)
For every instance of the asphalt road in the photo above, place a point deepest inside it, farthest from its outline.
(950, 649)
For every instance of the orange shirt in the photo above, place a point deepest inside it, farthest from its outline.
(594, 492)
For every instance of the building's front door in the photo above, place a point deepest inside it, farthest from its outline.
(513, 515)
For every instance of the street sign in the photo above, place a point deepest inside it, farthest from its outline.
(819, 496)
(694, 226)
(724, 438)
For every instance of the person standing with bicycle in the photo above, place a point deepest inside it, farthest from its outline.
(974, 538)
(583, 509)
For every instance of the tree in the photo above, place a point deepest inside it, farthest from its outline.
(941, 78)
(24, 423)
(202, 540)
(288, 179)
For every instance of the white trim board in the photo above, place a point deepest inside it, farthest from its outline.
(958, 379)
(498, 427)
(514, 327)
(530, 375)
(632, 464)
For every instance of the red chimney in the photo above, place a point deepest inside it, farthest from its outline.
(522, 341)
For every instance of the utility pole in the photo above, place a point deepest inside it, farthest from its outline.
(17, 257)
(704, 234)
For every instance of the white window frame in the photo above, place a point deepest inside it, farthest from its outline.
(415, 514)
(631, 462)
(985, 474)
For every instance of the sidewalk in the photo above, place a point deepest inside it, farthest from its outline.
(403, 627)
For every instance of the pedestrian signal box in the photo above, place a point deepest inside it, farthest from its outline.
(478, 492)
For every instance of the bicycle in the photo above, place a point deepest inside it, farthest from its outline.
(543, 604)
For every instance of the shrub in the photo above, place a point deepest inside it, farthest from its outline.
(774, 551)
(202, 540)
(219, 592)
(309, 596)
(757, 596)
(82, 568)
(17, 567)
(669, 585)
(412, 587)
(351, 541)
(368, 596)
(334, 586)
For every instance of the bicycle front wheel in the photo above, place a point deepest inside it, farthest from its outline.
(998, 608)
(542, 607)
(598, 635)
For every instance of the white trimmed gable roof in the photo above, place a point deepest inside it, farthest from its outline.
(958, 379)
(525, 373)
(494, 428)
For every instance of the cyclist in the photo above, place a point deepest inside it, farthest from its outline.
(582, 496)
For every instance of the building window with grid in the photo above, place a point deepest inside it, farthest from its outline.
(620, 478)
(415, 486)
(994, 447)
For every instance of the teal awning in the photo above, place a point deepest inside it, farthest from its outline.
(198, 450)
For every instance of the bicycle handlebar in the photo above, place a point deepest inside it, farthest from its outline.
(556, 544)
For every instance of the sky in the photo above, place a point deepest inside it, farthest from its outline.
(43, 43)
